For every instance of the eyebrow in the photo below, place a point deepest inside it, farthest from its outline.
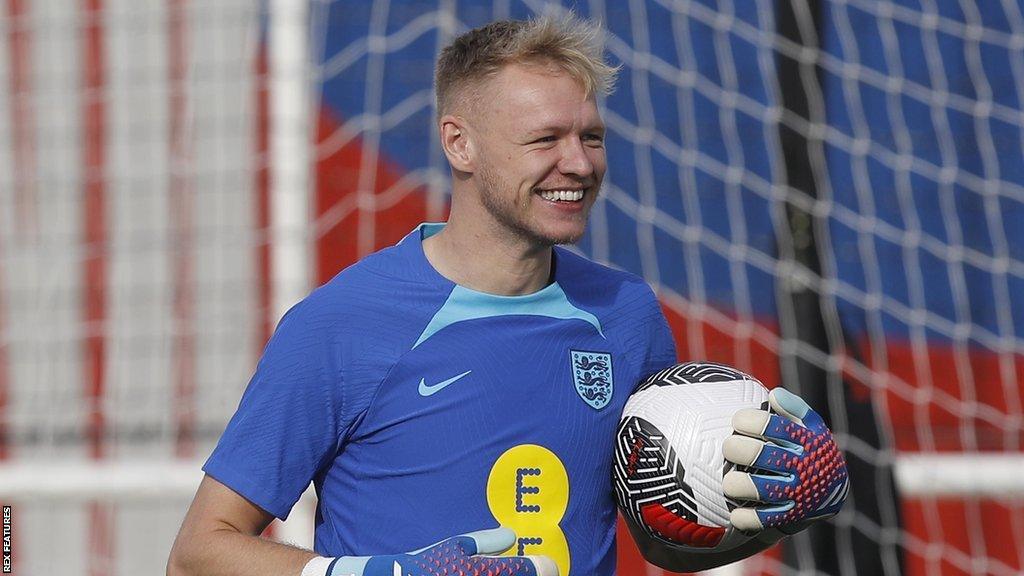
(559, 128)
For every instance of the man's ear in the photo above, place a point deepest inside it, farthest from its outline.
(457, 142)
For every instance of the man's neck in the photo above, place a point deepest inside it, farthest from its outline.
(488, 263)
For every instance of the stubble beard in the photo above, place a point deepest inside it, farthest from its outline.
(499, 200)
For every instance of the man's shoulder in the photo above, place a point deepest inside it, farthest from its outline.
(386, 265)
(377, 292)
(584, 276)
(375, 275)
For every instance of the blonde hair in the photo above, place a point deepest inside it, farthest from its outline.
(568, 42)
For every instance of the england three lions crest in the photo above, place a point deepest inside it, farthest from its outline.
(592, 373)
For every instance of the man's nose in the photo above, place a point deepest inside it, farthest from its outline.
(574, 159)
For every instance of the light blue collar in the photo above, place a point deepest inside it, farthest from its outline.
(467, 304)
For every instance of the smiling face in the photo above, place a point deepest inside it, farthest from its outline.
(538, 154)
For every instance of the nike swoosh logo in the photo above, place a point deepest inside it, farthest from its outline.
(435, 388)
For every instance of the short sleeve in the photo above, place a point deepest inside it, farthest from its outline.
(661, 347)
(287, 424)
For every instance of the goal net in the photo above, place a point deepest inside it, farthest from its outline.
(828, 194)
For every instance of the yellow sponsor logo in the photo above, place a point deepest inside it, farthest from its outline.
(528, 491)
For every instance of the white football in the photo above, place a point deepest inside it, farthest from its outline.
(668, 453)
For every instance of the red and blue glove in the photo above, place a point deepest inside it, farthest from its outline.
(790, 471)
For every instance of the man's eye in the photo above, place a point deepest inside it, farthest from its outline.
(545, 139)
(594, 138)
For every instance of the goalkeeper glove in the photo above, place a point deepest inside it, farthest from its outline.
(789, 462)
(462, 555)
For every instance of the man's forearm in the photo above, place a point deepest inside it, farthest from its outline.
(230, 553)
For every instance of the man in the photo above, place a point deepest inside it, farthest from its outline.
(469, 377)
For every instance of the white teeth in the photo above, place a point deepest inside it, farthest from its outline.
(562, 195)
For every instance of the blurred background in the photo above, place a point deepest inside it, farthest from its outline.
(827, 194)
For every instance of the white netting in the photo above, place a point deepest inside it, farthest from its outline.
(909, 145)
(131, 316)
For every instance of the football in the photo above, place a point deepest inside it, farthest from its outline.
(668, 452)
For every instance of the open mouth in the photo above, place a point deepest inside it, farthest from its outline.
(563, 195)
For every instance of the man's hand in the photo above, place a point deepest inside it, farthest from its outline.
(798, 473)
(463, 555)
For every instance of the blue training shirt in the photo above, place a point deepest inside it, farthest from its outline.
(421, 409)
